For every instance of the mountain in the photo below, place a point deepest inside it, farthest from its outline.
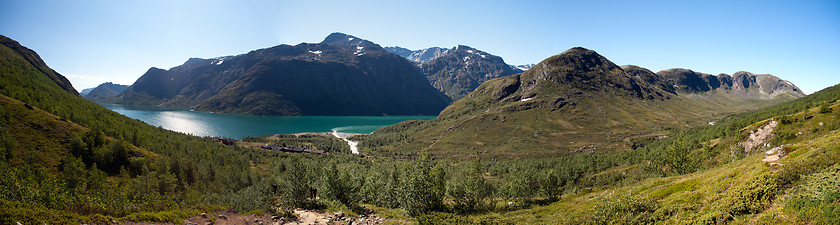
(86, 91)
(462, 69)
(342, 75)
(459, 70)
(525, 67)
(748, 84)
(579, 101)
(419, 56)
(105, 91)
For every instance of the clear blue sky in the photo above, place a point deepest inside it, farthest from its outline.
(92, 42)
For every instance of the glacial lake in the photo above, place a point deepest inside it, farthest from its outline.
(239, 126)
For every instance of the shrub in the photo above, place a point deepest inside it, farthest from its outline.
(422, 189)
(825, 108)
(468, 191)
(624, 209)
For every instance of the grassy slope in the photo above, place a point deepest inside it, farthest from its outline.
(184, 171)
(743, 191)
(32, 136)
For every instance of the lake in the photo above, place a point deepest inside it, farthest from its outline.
(239, 126)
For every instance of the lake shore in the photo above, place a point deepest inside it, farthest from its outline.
(326, 134)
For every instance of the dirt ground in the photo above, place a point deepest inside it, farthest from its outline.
(303, 217)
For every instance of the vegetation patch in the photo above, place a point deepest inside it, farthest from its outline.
(679, 187)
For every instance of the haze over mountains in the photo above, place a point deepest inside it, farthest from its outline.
(103, 91)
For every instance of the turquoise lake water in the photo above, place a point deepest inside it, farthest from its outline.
(239, 126)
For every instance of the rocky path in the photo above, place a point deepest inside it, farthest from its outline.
(354, 145)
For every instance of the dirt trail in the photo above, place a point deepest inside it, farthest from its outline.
(451, 128)
(303, 217)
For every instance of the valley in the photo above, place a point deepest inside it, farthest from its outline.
(574, 139)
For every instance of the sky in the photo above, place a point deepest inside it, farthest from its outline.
(92, 42)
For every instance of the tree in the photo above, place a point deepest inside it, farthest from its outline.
(422, 188)
(296, 186)
(469, 191)
(74, 173)
(340, 186)
(679, 157)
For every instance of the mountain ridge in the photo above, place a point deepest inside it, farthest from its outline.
(457, 71)
(104, 91)
(35, 60)
(574, 101)
(343, 75)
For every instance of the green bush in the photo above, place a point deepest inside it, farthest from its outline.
(817, 200)
(825, 108)
(752, 196)
(624, 209)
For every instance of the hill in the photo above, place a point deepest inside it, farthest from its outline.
(578, 102)
(342, 75)
(64, 159)
(105, 91)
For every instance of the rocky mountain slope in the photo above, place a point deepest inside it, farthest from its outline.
(459, 70)
(343, 75)
(418, 56)
(578, 101)
(104, 91)
(462, 69)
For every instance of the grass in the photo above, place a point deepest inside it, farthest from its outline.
(174, 216)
